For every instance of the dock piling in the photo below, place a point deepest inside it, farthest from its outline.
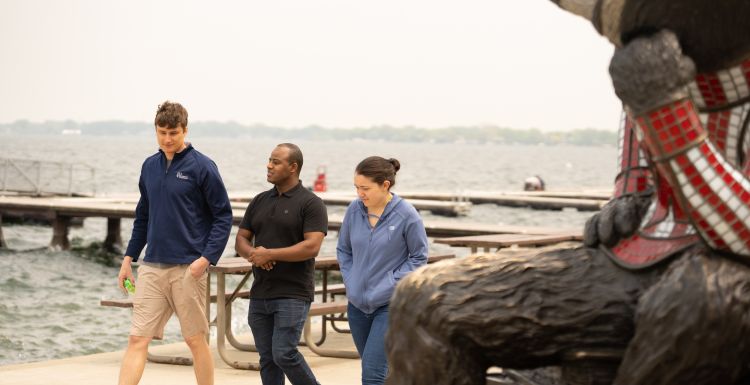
(60, 230)
(113, 242)
(3, 245)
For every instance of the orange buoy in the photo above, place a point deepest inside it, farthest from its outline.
(320, 184)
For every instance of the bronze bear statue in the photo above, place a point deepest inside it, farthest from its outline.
(659, 293)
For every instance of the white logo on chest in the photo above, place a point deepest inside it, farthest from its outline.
(180, 175)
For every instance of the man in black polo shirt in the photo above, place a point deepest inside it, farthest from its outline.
(280, 235)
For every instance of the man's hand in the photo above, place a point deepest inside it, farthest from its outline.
(198, 267)
(247, 254)
(126, 271)
(618, 219)
(243, 246)
(261, 258)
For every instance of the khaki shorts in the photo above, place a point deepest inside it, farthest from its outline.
(163, 291)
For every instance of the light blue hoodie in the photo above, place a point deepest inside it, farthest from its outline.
(374, 259)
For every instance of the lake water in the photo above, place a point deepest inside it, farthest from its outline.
(49, 300)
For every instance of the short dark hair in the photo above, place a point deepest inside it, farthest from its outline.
(295, 155)
(379, 169)
(171, 115)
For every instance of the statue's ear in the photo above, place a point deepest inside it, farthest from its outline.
(583, 8)
(603, 14)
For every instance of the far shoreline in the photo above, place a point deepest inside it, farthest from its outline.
(473, 135)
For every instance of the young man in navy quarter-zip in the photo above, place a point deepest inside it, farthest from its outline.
(280, 235)
(184, 216)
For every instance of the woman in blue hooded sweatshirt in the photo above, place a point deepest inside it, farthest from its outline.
(382, 239)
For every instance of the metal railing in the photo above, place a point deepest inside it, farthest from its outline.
(36, 177)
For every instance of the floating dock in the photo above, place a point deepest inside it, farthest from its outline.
(455, 204)
(586, 200)
(442, 207)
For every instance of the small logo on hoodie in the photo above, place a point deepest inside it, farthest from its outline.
(180, 175)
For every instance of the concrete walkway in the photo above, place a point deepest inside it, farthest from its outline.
(104, 368)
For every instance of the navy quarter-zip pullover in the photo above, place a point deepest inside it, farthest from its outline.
(184, 211)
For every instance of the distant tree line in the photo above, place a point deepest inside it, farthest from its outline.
(470, 134)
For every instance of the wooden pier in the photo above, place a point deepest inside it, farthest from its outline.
(61, 210)
(442, 207)
(456, 204)
(592, 200)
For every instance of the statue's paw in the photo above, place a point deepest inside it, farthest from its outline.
(605, 226)
(618, 219)
(629, 213)
(651, 71)
(590, 237)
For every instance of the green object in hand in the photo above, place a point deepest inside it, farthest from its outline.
(129, 286)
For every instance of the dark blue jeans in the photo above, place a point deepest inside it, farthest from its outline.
(368, 332)
(277, 326)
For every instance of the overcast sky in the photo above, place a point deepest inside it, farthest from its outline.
(346, 63)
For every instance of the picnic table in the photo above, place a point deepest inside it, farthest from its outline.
(236, 265)
(498, 241)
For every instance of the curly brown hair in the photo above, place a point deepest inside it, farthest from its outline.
(171, 115)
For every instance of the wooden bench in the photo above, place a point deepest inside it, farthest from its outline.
(324, 309)
(328, 263)
(335, 289)
(234, 265)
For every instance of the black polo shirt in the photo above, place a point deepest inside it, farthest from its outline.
(278, 221)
